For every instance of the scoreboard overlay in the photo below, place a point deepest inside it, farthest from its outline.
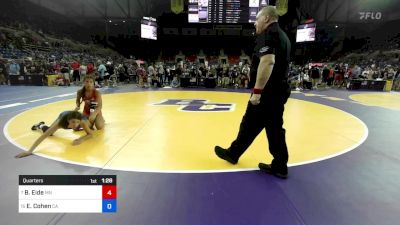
(67, 194)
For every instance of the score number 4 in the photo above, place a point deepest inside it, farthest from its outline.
(109, 192)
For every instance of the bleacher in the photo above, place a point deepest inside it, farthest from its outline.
(12, 53)
(36, 47)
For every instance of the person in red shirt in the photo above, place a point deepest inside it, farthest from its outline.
(349, 73)
(331, 77)
(57, 68)
(90, 69)
(339, 77)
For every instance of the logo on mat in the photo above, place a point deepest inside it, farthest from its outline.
(197, 105)
(264, 49)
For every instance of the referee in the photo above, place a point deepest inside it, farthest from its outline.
(268, 78)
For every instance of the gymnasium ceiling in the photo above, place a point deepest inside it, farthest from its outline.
(330, 11)
(106, 9)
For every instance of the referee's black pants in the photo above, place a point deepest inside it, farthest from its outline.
(269, 115)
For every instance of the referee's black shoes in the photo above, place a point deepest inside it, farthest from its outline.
(224, 154)
(266, 168)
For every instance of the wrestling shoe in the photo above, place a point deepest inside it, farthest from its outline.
(36, 126)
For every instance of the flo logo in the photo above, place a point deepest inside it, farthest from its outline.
(370, 15)
(197, 105)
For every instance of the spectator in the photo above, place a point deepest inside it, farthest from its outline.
(14, 68)
(3, 78)
(325, 74)
(65, 72)
(307, 83)
(82, 71)
(331, 76)
(75, 74)
(356, 72)
(122, 73)
(244, 76)
(90, 70)
(150, 74)
(315, 77)
(141, 73)
(56, 68)
(102, 72)
(161, 73)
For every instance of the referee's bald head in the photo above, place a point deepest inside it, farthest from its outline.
(269, 11)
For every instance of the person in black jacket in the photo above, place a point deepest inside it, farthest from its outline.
(269, 80)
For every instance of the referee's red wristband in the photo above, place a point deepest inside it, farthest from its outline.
(257, 91)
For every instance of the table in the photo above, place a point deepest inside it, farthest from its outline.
(358, 84)
(34, 79)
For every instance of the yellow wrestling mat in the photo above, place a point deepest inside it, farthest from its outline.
(168, 131)
(385, 100)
